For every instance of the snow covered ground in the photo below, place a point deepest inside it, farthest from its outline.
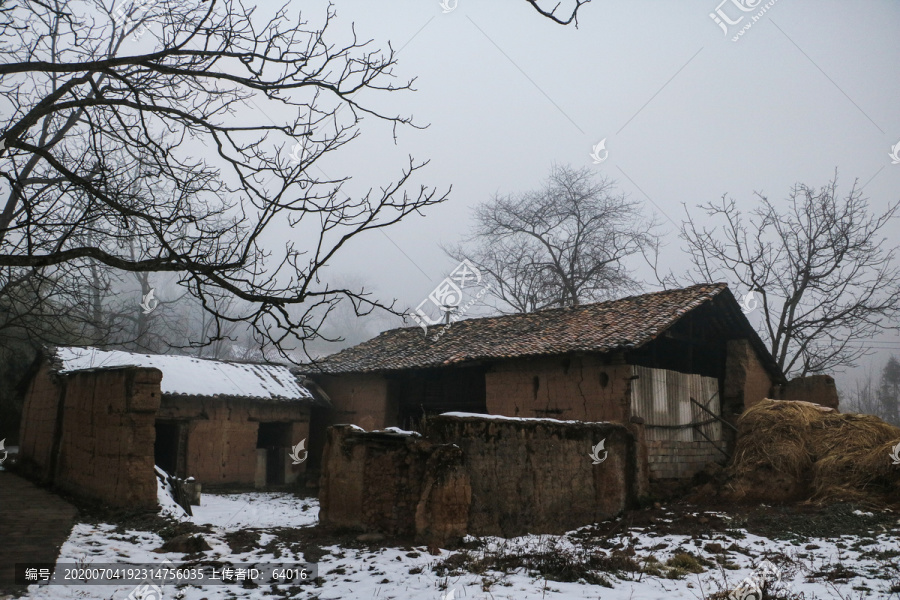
(280, 529)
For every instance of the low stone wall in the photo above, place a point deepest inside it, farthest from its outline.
(480, 475)
(680, 460)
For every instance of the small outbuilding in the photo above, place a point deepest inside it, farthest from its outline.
(680, 365)
(95, 422)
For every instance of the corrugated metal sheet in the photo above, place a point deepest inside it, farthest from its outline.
(663, 399)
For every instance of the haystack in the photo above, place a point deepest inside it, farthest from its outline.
(788, 450)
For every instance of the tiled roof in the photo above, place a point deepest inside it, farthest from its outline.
(622, 324)
(189, 376)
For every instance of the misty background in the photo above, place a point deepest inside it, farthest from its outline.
(503, 95)
(688, 115)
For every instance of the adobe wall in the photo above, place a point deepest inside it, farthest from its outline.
(536, 476)
(37, 431)
(477, 475)
(818, 389)
(746, 380)
(107, 436)
(398, 484)
(222, 435)
(359, 399)
(577, 388)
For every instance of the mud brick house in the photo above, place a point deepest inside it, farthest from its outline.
(95, 422)
(678, 361)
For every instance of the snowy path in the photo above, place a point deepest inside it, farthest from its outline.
(409, 573)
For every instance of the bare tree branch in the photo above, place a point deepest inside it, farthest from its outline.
(565, 16)
(561, 245)
(820, 264)
(184, 151)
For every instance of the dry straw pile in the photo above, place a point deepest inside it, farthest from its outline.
(789, 450)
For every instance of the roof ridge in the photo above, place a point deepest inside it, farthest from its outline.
(719, 286)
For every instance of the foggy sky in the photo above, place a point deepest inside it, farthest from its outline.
(688, 114)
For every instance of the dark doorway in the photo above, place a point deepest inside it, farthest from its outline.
(275, 438)
(170, 448)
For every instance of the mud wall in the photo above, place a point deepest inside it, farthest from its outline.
(222, 435)
(578, 388)
(393, 483)
(478, 475)
(746, 380)
(105, 441)
(818, 389)
(360, 399)
(37, 431)
(536, 475)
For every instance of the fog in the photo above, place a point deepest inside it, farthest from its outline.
(686, 113)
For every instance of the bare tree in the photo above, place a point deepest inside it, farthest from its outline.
(108, 105)
(820, 264)
(561, 245)
(101, 141)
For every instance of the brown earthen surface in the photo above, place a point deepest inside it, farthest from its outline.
(107, 436)
(531, 476)
(818, 389)
(477, 475)
(578, 388)
(360, 399)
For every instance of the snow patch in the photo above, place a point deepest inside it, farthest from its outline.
(399, 431)
(166, 497)
(523, 419)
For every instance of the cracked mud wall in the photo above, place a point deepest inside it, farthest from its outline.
(476, 475)
(537, 476)
(106, 449)
(396, 484)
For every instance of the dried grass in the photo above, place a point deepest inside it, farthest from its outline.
(813, 451)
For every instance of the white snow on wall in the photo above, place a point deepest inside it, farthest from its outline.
(194, 376)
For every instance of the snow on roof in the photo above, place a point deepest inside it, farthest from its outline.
(191, 376)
